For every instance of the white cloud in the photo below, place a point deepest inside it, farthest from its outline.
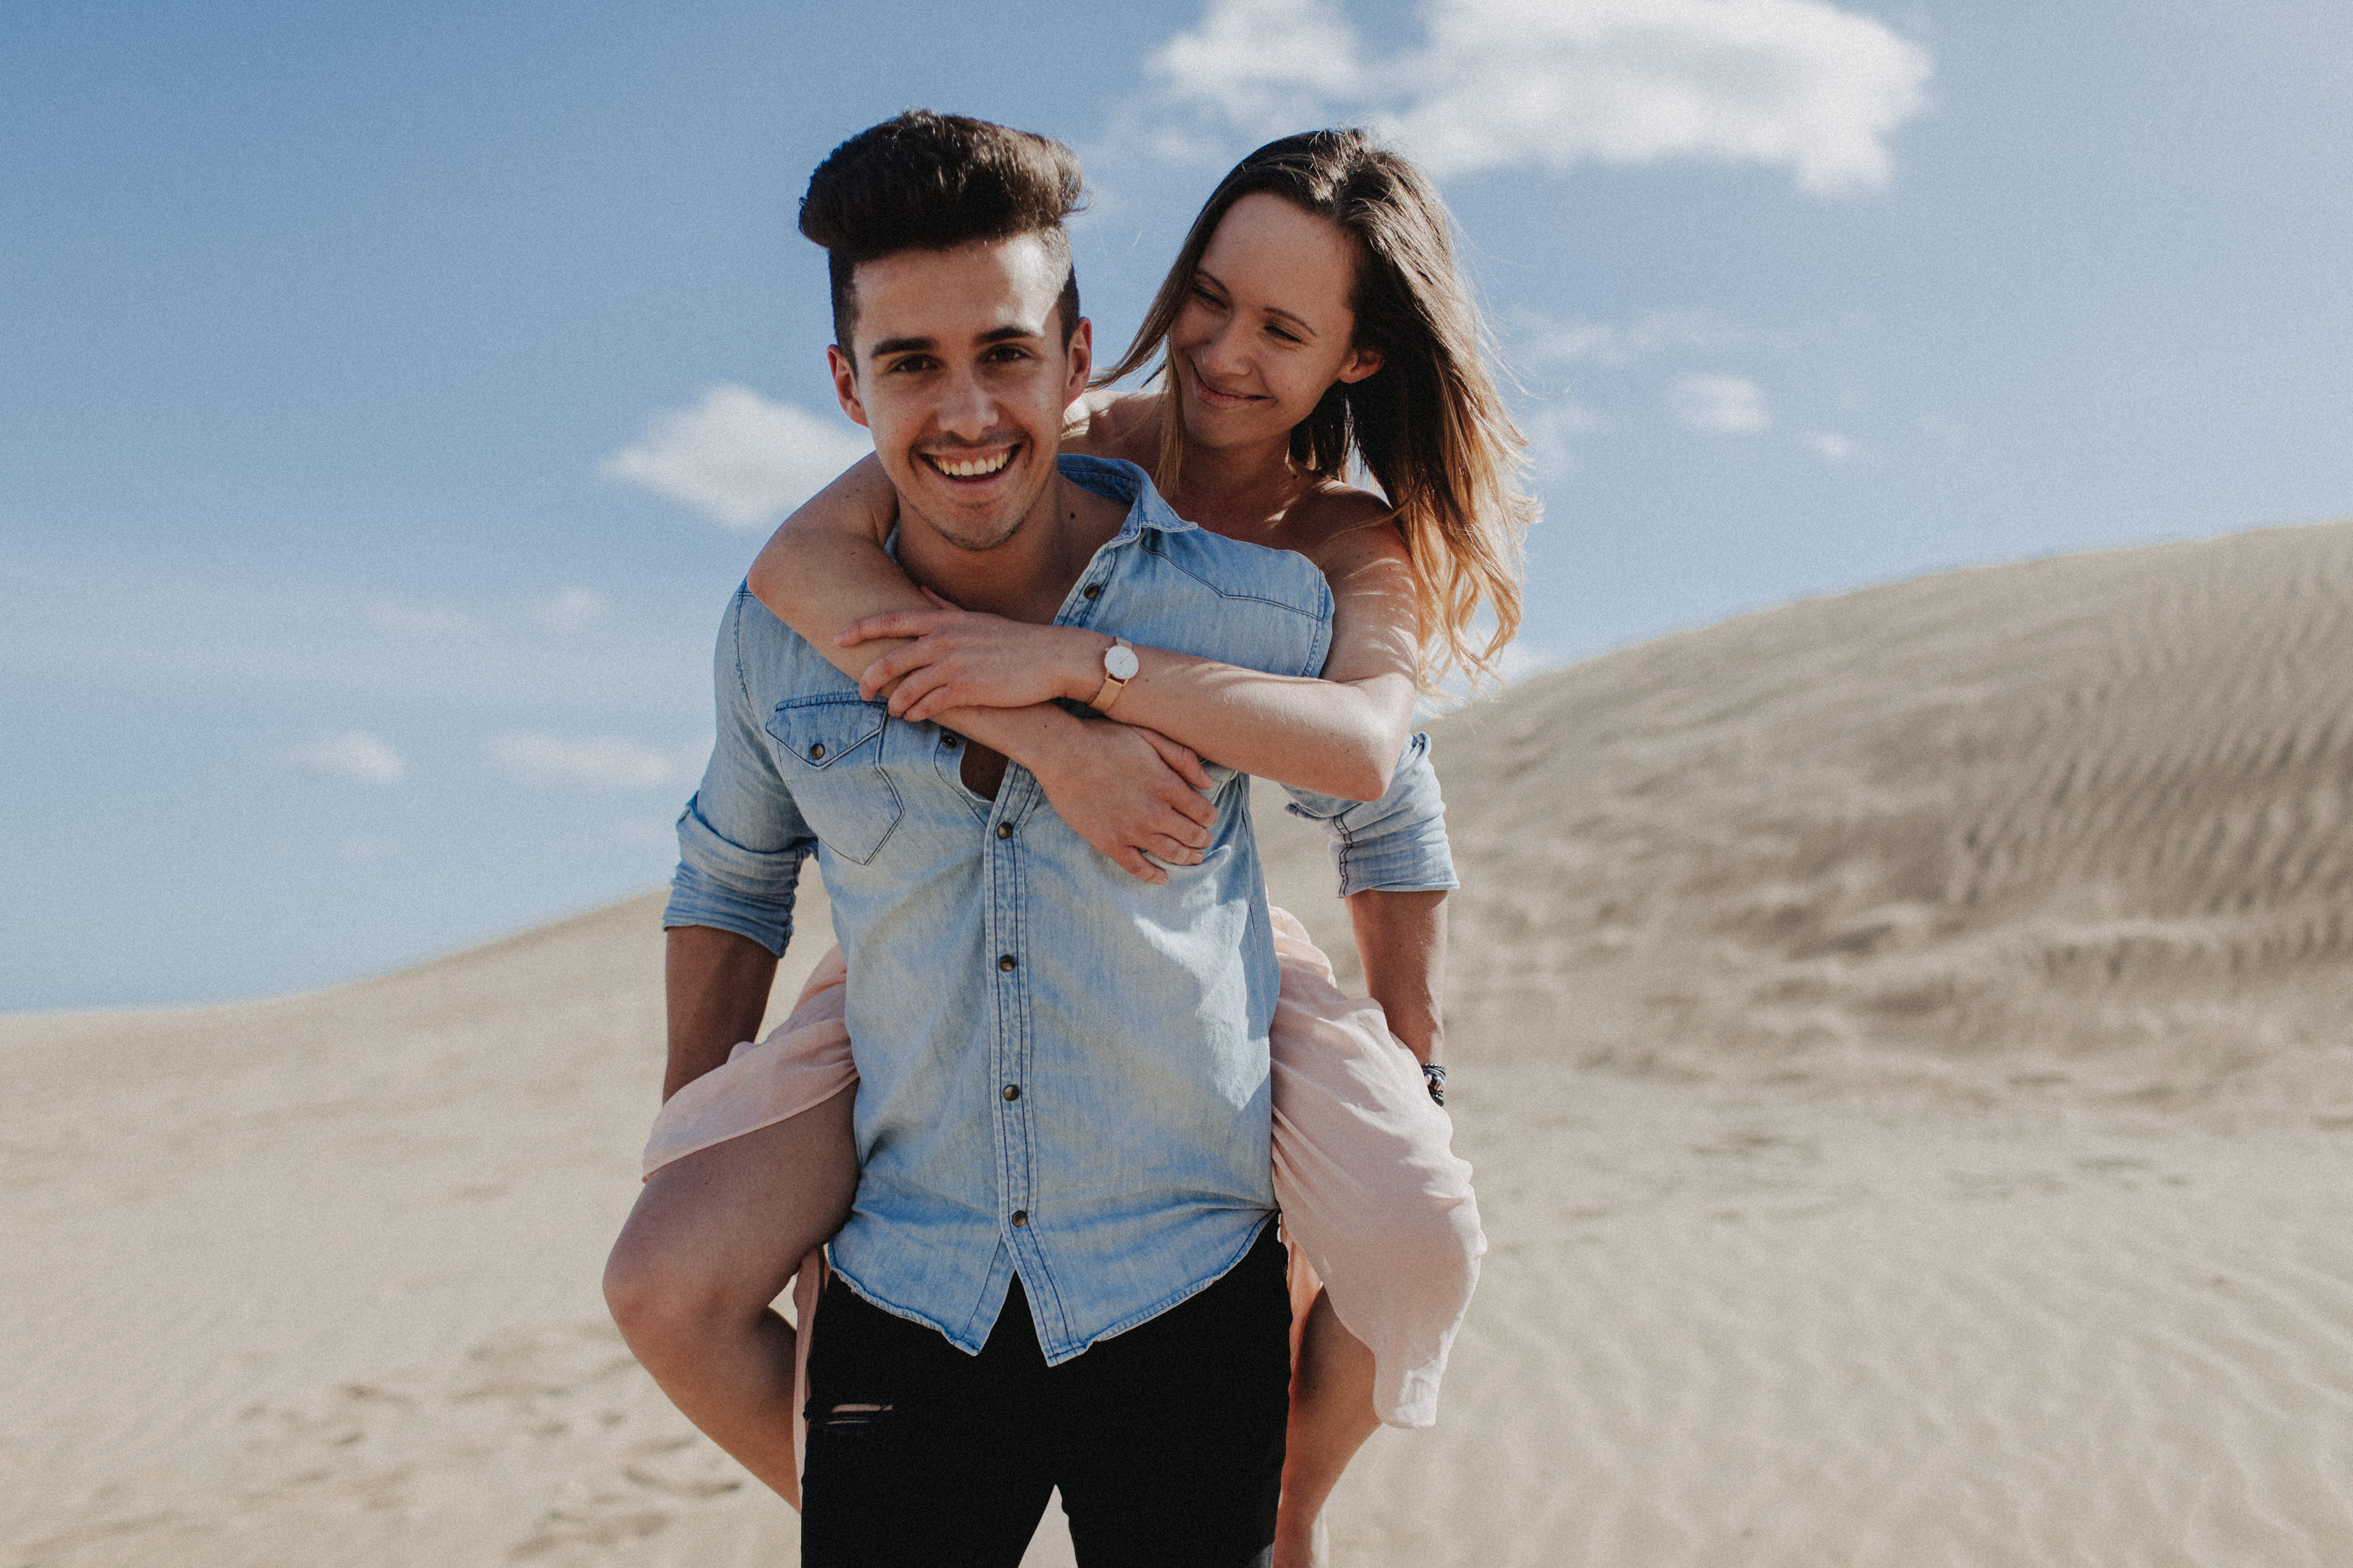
(353, 754)
(738, 458)
(1619, 344)
(598, 762)
(417, 620)
(1723, 404)
(1829, 444)
(1549, 427)
(573, 609)
(1261, 63)
(1500, 84)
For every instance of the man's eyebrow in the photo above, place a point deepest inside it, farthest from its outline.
(931, 345)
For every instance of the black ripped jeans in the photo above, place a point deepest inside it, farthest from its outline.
(1167, 1440)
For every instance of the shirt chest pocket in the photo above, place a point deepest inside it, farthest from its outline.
(830, 752)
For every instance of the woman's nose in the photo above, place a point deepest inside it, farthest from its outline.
(1222, 354)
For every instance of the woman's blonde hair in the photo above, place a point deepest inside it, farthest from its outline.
(1428, 424)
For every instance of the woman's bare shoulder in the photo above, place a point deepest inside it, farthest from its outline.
(1337, 525)
(1107, 424)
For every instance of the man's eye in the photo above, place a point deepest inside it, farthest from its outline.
(912, 361)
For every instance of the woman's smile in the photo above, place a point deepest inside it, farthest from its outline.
(1211, 397)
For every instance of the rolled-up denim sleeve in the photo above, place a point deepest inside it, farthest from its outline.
(741, 839)
(1393, 844)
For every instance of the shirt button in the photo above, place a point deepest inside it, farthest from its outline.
(1005, 830)
(1009, 963)
(1020, 1218)
(1012, 1092)
(817, 752)
(1092, 590)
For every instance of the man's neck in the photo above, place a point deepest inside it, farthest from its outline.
(1027, 577)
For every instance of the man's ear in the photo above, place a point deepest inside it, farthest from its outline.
(845, 382)
(1082, 357)
(1361, 362)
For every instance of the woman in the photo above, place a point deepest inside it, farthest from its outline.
(1313, 313)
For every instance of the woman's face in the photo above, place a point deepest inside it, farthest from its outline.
(1266, 328)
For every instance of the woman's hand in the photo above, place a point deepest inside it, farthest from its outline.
(1132, 792)
(961, 658)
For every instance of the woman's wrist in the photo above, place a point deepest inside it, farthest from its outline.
(1080, 674)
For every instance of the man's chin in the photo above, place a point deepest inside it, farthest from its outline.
(975, 524)
(975, 530)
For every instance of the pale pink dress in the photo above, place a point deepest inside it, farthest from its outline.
(1375, 1203)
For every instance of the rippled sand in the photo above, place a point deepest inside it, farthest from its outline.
(1902, 1037)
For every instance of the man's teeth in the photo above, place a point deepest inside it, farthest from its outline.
(974, 468)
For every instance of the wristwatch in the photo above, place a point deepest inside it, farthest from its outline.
(1119, 668)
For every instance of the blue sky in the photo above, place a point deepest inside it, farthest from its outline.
(391, 393)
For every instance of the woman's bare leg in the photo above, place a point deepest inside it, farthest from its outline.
(1330, 1417)
(715, 1237)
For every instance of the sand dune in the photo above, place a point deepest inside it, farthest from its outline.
(1899, 1035)
(2084, 820)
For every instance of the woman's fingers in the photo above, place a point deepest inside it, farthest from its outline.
(890, 667)
(896, 624)
(920, 688)
(933, 653)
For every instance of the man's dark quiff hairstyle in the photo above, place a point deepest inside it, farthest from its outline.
(925, 180)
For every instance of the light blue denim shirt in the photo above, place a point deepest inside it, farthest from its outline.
(1062, 1070)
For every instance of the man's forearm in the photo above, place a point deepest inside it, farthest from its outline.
(717, 984)
(1401, 938)
(1027, 736)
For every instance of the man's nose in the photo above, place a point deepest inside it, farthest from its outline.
(967, 408)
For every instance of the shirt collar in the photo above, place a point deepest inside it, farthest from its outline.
(1120, 481)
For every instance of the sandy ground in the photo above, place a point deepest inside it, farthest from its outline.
(1901, 1039)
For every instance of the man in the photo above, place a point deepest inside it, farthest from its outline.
(1058, 1269)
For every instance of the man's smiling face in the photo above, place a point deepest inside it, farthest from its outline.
(962, 375)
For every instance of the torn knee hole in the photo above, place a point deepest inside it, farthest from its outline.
(849, 1416)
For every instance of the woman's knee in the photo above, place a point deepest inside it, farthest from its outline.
(658, 1290)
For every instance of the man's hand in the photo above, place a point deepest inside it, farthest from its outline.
(961, 658)
(1132, 792)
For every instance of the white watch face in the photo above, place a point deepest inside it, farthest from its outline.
(1119, 662)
